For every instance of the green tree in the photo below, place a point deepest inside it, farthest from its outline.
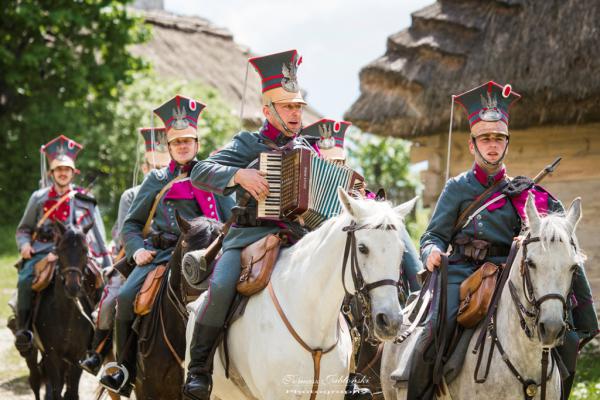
(63, 66)
(384, 162)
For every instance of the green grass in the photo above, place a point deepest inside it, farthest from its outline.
(587, 383)
(8, 246)
(13, 365)
(8, 283)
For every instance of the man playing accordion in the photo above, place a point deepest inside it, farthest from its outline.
(228, 171)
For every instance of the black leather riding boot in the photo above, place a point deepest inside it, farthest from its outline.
(198, 384)
(118, 381)
(355, 392)
(23, 336)
(93, 359)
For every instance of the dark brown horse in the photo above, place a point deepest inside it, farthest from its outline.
(161, 345)
(61, 321)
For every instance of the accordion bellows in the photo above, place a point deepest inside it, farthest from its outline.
(303, 186)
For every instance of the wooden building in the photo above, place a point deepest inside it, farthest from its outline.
(548, 50)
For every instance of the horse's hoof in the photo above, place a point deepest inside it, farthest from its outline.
(197, 387)
(91, 363)
(24, 342)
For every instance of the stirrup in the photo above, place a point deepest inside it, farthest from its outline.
(24, 341)
(114, 364)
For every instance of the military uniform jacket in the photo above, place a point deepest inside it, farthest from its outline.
(498, 224)
(81, 209)
(190, 202)
(215, 174)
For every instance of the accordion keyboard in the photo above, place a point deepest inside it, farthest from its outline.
(270, 163)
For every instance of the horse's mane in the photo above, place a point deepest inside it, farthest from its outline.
(555, 227)
(372, 212)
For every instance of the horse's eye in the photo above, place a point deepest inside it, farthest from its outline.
(530, 264)
(363, 249)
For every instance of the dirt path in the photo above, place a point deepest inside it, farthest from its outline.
(13, 373)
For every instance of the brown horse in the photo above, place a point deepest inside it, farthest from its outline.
(161, 343)
(61, 321)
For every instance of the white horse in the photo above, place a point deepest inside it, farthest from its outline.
(550, 263)
(267, 362)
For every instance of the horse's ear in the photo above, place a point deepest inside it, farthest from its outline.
(87, 228)
(405, 208)
(574, 213)
(380, 195)
(184, 226)
(532, 215)
(60, 227)
(348, 202)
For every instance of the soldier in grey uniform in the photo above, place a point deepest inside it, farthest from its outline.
(180, 116)
(156, 157)
(487, 107)
(227, 171)
(63, 202)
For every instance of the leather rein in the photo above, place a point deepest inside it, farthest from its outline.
(362, 290)
(530, 386)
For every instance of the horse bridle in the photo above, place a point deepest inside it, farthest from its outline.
(528, 292)
(361, 287)
(529, 385)
(62, 272)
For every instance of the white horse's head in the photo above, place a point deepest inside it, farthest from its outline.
(548, 265)
(379, 250)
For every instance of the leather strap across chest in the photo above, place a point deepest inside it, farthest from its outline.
(315, 353)
(148, 223)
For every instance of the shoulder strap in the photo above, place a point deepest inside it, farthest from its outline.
(146, 229)
(499, 185)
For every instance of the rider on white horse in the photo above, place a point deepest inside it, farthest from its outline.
(487, 108)
(223, 173)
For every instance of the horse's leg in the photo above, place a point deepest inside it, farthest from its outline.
(55, 374)
(73, 377)
(35, 374)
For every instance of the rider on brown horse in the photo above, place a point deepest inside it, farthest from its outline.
(61, 201)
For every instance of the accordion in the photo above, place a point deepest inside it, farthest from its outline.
(303, 186)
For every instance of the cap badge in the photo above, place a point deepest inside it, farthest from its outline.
(180, 118)
(489, 108)
(289, 81)
(327, 141)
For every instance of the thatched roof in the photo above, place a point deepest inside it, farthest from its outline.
(192, 48)
(549, 50)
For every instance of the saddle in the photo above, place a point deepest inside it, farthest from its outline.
(147, 294)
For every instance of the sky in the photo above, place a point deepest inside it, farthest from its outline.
(335, 37)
